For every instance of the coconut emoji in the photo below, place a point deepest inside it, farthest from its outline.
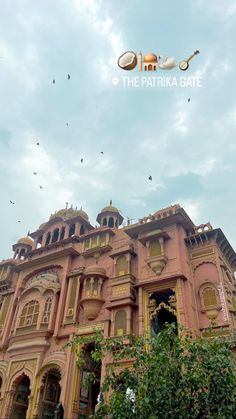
(128, 60)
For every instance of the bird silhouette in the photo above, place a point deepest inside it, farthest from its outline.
(101, 152)
(68, 76)
(67, 124)
(150, 177)
(11, 202)
(37, 143)
(81, 160)
(189, 99)
(54, 81)
(40, 187)
(34, 173)
(19, 221)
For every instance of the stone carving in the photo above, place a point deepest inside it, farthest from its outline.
(157, 264)
(30, 364)
(44, 281)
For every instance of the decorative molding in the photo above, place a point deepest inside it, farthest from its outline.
(211, 260)
(47, 280)
(17, 366)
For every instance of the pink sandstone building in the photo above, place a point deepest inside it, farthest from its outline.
(69, 278)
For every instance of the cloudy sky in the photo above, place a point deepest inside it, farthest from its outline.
(189, 148)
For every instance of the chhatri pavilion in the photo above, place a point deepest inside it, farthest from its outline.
(70, 278)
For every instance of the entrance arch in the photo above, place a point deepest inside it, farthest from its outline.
(162, 310)
(21, 389)
(49, 395)
(88, 396)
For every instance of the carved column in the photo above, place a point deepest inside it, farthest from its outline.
(9, 403)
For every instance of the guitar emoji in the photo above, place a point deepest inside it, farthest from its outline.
(184, 65)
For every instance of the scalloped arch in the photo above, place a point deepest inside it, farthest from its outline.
(202, 262)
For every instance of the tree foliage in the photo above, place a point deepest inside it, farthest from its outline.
(169, 376)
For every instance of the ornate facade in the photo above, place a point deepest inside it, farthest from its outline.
(68, 278)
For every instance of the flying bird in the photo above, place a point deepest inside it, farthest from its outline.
(81, 160)
(11, 202)
(67, 124)
(34, 173)
(40, 187)
(68, 76)
(189, 99)
(19, 221)
(101, 152)
(54, 81)
(150, 177)
(37, 143)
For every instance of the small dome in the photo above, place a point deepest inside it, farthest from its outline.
(110, 208)
(150, 58)
(26, 240)
(68, 213)
(95, 270)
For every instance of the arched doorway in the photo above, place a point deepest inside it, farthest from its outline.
(50, 391)
(21, 398)
(89, 391)
(162, 310)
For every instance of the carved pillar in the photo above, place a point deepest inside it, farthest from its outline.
(128, 320)
(140, 311)
(9, 403)
(28, 414)
(100, 281)
(161, 241)
(181, 315)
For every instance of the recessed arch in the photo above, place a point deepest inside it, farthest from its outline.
(55, 235)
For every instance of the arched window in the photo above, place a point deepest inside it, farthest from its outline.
(72, 230)
(47, 310)
(39, 242)
(209, 297)
(82, 230)
(94, 241)
(121, 266)
(103, 239)
(120, 323)
(29, 314)
(16, 254)
(86, 244)
(91, 287)
(55, 235)
(104, 221)
(22, 254)
(111, 222)
(48, 239)
(154, 248)
(62, 233)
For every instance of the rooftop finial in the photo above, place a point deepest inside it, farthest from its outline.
(66, 205)
(110, 201)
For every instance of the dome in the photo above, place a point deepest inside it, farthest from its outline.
(68, 213)
(25, 240)
(110, 208)
(150, 58)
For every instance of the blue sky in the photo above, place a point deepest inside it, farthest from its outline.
(188, 148)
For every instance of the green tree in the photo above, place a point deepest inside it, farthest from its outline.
(171, 376)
